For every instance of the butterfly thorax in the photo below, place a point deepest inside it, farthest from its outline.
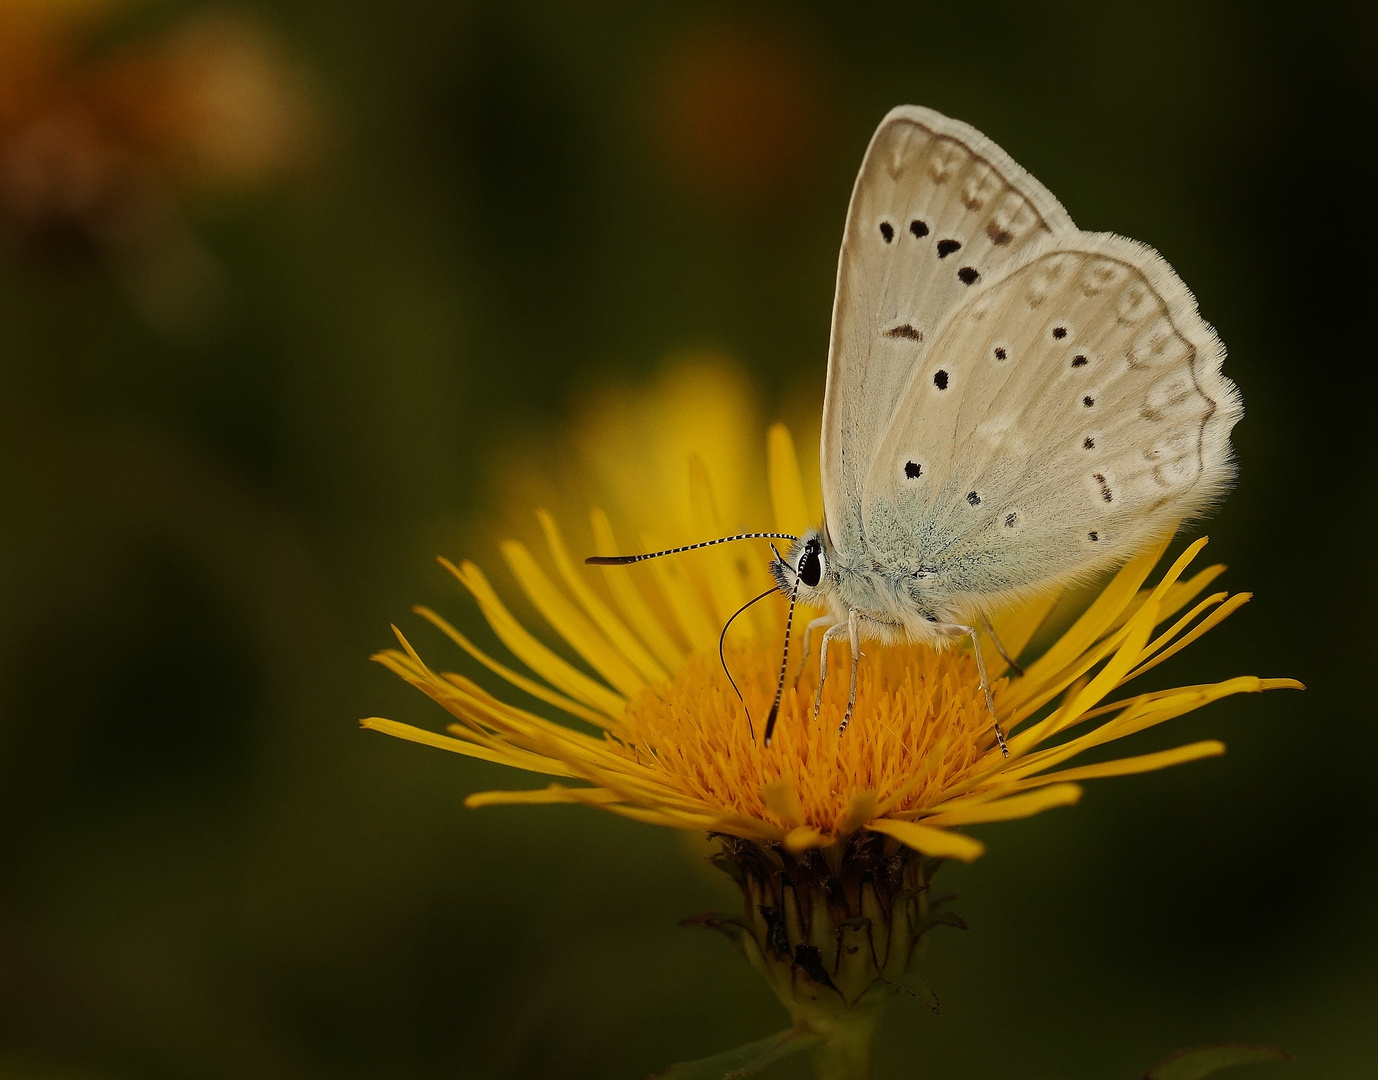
(893, 600)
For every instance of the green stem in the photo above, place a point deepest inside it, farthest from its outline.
(849, 1045)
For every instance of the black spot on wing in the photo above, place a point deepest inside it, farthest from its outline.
(947, 247)
(968, 274)
(905, 331)
(887, 230)
(918, 228)
(913, 470)
(940, 379)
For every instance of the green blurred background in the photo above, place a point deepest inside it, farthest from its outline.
(274, 281)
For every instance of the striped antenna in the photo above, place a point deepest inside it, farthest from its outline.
(624, 560)
(784, 665)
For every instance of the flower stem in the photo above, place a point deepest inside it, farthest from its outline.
(849, 1046)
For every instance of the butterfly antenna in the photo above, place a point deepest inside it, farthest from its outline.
(784, 665)
(624, 560)
(722, 639)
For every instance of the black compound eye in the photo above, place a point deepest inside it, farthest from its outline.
(811, 565)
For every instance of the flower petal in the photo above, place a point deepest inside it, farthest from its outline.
(1087, 630)
(633, 605)
(802, 838)
(539, 691)
(569, 622)
(861, 808)
(613, 628)
(1146, 712)
(1016, 626)
(518, 759)
(786, 486)
(555, 793)
(782, 799)
(1214, 619)
(1129, 766)
(1125, 657)
(1016, 806)
(692, 614)
(940, 843)
(553, 669)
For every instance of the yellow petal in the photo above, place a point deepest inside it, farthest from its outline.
(692, 614)
(782, 799)
(1015, 627)
(940, 843)
(1125, 657)
(1174, 704)
(633, 605)
(492, 714)
(1151, 710)
(802, 838)
(1016, 806)
(519, 759)
(1214, 619)
(555, 793)
(1083, 633)
(1129, 766)
(861, 808)
(613, 628)
(1179, 567)
(569, 622)
(786, 486)
(724, 583)
(1177, 596)
(537, 690)
(1183, 593)
(554, 670)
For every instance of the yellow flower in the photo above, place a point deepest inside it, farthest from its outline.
(653, 730)
(833, 840)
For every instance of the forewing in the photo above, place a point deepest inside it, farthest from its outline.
(1067, 412)
(937, 208)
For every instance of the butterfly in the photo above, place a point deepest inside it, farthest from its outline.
(1012, 404)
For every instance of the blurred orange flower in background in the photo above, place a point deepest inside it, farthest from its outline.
(100, 146)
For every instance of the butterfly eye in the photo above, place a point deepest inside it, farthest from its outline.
(811, 564)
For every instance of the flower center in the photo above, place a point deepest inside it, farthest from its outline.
(920, 727)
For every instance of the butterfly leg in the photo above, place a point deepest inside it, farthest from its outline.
(856, 658)
(834, 631)
(1000, 648)
(970, 631)
(817, 624)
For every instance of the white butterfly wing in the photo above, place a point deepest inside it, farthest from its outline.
(1069, 410)
(935, 203)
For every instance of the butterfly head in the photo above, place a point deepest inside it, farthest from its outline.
(805, 568)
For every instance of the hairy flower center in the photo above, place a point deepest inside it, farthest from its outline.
(920, 727)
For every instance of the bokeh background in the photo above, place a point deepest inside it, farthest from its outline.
(281, 283)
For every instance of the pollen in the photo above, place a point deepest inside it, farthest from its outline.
(920, 725)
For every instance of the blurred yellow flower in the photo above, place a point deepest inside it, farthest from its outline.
(653, 731)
